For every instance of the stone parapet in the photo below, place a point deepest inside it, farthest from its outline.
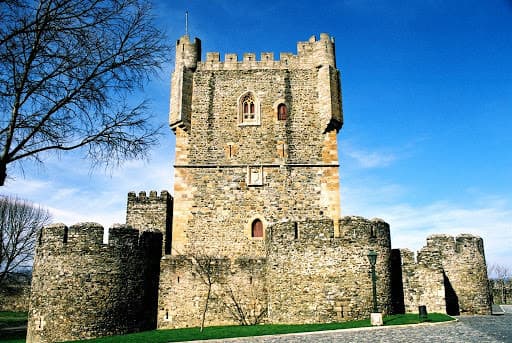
(151, 213)
(449, 276)
(83, 288)
(317, 277)
(311, 54)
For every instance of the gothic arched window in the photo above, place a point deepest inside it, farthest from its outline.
(249, 109)
(282, 112)
(257, 228)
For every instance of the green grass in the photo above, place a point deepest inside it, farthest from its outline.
(12, 319)
(217, 332)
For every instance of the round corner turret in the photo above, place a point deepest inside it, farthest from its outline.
(324, 52)
(188, 53)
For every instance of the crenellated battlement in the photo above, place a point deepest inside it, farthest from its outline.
(448, 274)
(356, 227)
(351, 228)
(311, 54)
(90, 235)
(463, 243)
(153, 213)
(153, 197)
(82, 233)
(84, 288)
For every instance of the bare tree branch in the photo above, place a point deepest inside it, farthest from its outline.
(20, 221)
(67, 71)
(500, 276)
(210, 270)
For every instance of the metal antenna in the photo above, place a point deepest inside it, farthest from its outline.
(186, 23)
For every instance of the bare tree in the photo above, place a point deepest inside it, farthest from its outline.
(209, 269)
(67, 71)
(250, 313)
(500, 274)
(20, 221)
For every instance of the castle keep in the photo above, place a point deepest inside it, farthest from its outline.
(255, 144)
(253, 231)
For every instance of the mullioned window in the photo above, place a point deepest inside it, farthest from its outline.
(248, 110)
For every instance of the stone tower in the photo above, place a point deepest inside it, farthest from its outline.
(83, 287)
(151, 213)
(255, 144)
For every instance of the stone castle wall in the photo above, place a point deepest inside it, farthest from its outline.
(307, 276)
(217, 153)
(15, 297)
(465, 272)
(238, 292)
(153, 212)
(83, 288)
(233, 168)
(423, 283)
(317, 277)
(449, 276)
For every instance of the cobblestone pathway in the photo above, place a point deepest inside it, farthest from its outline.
(475, 329)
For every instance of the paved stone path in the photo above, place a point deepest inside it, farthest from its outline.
(474, 329)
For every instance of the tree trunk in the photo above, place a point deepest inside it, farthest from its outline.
(503, 300)
(205, 307)
(3, 172)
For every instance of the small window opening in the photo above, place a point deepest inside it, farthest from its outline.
(257, 228)
(282, 112)
(40, 322)
(296, 230)
(372, 232)
(166, 314)
(178, 279)
(65, 238)
(250, 280)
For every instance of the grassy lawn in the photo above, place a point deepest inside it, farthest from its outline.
(215, 332)
(12, 319)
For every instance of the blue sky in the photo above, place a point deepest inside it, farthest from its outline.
(427, 98)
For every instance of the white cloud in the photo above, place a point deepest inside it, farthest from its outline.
(367, 159)
(73, 194)
(489, 217)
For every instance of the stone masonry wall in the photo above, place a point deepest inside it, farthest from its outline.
(295, 159)
(449, 276)
(308, 276)
(83, 288)
(15, 297)
(153, 212)
(465, 272)
(238, 291)
(317, 277)
(423, 282)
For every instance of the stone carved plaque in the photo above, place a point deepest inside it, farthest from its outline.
(255, 176)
